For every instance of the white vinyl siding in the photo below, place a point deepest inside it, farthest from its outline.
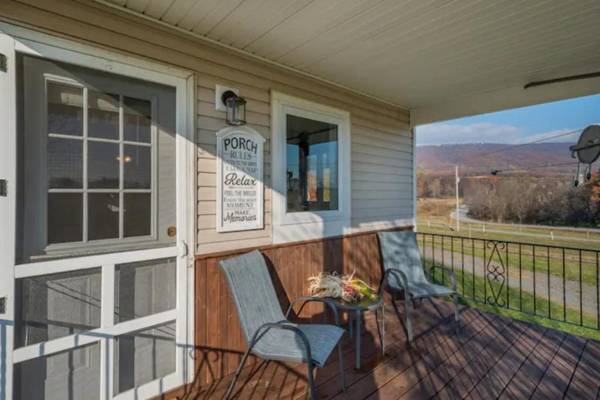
(381, 147)
(382, 177)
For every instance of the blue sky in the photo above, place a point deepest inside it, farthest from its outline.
(519, 125)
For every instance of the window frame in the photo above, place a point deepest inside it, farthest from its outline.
(121, 240)
(308, 224)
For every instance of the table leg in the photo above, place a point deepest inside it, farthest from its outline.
(357, 333)
(350, 327)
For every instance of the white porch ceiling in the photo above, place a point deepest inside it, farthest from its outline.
(414, 53)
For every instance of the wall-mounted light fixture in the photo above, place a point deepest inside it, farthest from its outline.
(236, 108)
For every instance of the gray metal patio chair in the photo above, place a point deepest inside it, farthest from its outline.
(404, 272)
(268, 332)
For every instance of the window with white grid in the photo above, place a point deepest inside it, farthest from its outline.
(100, 166)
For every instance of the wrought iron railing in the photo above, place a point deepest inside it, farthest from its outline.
(558, 283)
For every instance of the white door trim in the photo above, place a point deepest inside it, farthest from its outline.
(15, 39)
(34, 42)
(8, 153)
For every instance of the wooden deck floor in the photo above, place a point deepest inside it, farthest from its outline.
(489, 357)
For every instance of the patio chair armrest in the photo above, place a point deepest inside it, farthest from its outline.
(449, 272)
(385, 280)
(283, 325)
(308, 299)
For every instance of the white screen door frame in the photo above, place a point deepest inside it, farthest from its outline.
(16, 40)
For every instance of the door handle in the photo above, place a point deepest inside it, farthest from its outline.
(183, 249)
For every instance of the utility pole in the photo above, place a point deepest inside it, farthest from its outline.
(457, 204)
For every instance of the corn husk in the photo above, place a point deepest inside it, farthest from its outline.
(343, 287)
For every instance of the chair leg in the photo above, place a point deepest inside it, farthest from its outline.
(311, 381)
(383, 329)
(396, 309)
(380, 319)
(350, 326)
(455, 301)
(342, 371)
(456, 314)
(408, 309)
(237, 374)
(358, 339)
(407, 321)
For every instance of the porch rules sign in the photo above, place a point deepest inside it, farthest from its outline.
(240, 201)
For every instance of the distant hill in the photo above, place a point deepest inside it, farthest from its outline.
(474, 159)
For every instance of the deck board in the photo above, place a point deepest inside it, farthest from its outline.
(429, 345)
(586, 379)
(488, 357)
(450, 371)
(497, 378)
(494, 344)
(418, 375)
(556, 380)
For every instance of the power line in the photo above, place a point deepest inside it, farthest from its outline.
(513, 146)
(497, 171)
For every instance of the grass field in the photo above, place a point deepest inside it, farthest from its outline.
(580, 258)
(434, 215)
(563, 263)
(542, 235)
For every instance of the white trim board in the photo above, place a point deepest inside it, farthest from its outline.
(35, 43)
(8, 154)
(369, 226)
(413, 139)
(81, 263)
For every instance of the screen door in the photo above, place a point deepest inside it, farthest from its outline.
(96, 305)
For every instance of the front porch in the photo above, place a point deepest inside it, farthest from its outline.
(490, 357)
(136, 223)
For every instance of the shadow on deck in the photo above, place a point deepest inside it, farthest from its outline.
(488, 357)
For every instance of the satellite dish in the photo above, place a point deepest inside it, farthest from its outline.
(587, 149)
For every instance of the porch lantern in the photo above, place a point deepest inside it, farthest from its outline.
(236, 108)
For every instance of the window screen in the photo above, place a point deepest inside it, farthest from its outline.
(72, 374)
(144, 356)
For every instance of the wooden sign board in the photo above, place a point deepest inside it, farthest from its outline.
(240, 196)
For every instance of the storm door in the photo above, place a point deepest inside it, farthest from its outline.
(96, 310)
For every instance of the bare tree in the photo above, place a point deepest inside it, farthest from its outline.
(537, 200)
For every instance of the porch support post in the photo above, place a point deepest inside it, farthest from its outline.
(413, 134)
